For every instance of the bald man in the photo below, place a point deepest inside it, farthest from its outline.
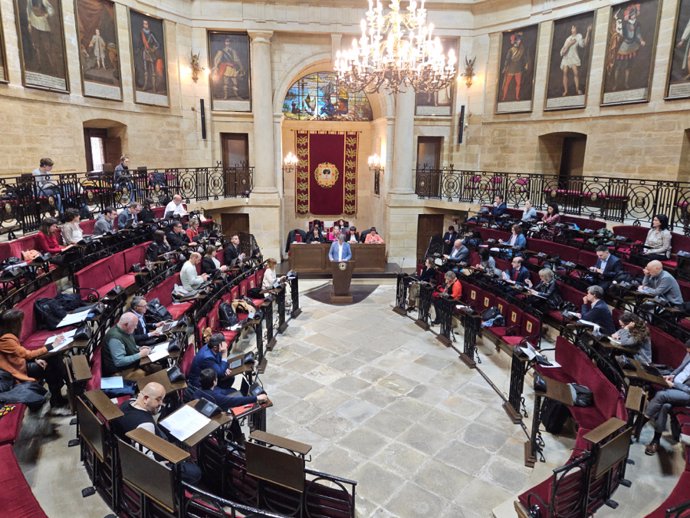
(175, 208)
(121, 354)
(190, 279)
(661, 284)
(140, 412)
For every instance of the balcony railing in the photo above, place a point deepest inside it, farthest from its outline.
(26, 199)
(613, 199)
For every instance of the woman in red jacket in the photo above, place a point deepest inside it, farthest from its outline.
(25, 365)
(47, 240)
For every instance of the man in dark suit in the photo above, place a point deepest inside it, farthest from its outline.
(607, 266)
(677, 394)
(145, 333)
(500, 207)
(595, 310)
(177, 238)
(458, 254)
(517, 273)
(448, 239)
(232, 254)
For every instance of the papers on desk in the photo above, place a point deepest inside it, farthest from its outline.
(185, 422)
(111, 383)
(168, 326)
(74, 318)
(69, 338)
(596, 330)
(159, 352)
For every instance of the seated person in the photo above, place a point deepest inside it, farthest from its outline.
(146, 333)
(25, 365)
(177, 238)
(658, 243)
(458, 254)
(139, 413)
(547, 293)
(157, 247)
(517, 273)
(608, 266)
(192, 281)
(129, 216)
(146, 214)
(71, 230)
(595, 310)
(175, 208)
(634, 335)
(449, 238)
(210, 263)
(334, 233)
(213, 355)
(677, 394)
(517, 239)
(208, 389)
(232, 253)
(340, 250)
(373, 237)
(270, 277)
(193, 230)
(47, 237)
(104, 223)
(529, 213)
(428, 274)
(661, 284)
(352, 236)
(551, 219)
(121, 355)
(315, 236)
(499, 207)
(452, 289)
(487, 264)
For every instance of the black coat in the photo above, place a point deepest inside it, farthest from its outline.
(177, 240)
(599, 314)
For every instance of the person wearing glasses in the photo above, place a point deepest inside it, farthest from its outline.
(146, 333)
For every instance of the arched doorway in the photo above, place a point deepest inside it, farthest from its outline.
(563, 153)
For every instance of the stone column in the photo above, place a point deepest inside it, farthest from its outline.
(402, 179)
(262, 108)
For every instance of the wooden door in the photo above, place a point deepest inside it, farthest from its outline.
(235, 149)
(428, 225)
(429, 160)
(234, 224)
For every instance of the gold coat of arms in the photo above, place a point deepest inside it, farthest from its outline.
(326, 175)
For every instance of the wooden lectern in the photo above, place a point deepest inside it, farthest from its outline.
(342, 275)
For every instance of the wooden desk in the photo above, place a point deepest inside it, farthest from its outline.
(156, 444)
(313, 258)
(162, 377)
(216, 422)
(102, 403)
(281, 442)
(80, 368)
(602, 431)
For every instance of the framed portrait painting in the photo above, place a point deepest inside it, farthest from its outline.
(517, 60)
(440, 102)
(98, 49)
(4, 75)
(678, 84)
(629, 59)
(42, 44)
(149, 65)
(230, 71)
(569, 62)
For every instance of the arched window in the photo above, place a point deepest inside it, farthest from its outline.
(317, 97)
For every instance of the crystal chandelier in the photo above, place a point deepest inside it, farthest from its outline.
(396, 50)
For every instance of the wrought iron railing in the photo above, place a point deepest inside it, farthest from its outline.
(614, 199)
(26, 199)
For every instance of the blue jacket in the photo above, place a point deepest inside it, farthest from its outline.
(206, 359)
(599, 314)
(225, 402)
(333, 252)
(613, 267)
(500, 210)
(522, 275)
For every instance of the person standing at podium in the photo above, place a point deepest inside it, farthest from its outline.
(340, 250)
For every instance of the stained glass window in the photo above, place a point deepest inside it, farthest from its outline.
(317, 97)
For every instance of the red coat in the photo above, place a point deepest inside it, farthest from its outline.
(47, 243)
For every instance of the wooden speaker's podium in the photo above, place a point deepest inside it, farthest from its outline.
(342, 275)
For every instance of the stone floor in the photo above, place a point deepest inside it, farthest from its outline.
(384, 403)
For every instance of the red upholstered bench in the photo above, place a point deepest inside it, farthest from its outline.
(16, 498)
(105, 274)
(568, 294)
(96, 365)
(87, 226)
(163, 292)
(11, 423)
(32, 337)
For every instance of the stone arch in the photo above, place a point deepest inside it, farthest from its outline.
(562, 151)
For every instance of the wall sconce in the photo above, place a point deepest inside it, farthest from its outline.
(468, 74)
(376, 167)
(290, 163)
(195, 64)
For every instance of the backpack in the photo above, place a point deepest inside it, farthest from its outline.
(226, 316)
(48, 313)
(490, 313)
(553, 415)
(69, 301)
(157, 311)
